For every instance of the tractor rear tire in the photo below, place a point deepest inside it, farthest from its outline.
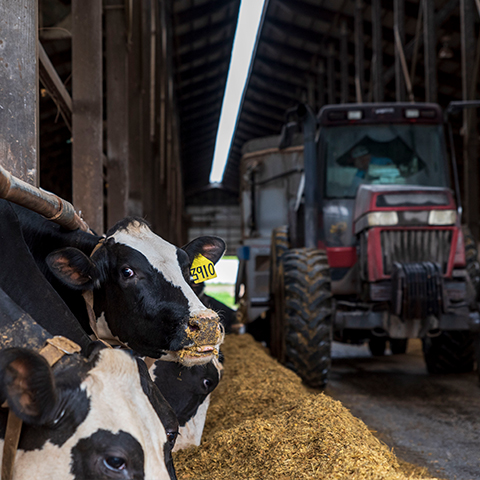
(307, 314)
(453, 351)
(377, 346)
(398, 346)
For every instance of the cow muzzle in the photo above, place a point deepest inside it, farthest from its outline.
(204, 334)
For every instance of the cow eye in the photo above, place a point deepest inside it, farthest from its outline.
(127, 272)
(171, 437)
(115, 463)
(207, 382)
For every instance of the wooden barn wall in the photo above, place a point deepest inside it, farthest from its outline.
(104, 112)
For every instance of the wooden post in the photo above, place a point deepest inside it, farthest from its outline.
(147, 148)
(344, 62)
(135, 112)
(87, 121)
(331, 73)
(430, 50)
(359, 52)
(470, 138)
(377, 64)
(117, 110)
(399, 24)
(19, 89)
(321, 84)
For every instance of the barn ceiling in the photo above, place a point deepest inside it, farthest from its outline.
(291, 65)
(297, 59)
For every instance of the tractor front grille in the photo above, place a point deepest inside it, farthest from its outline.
(412, 246)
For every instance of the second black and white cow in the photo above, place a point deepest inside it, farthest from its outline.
(139, 284)
(76, 425)
(187, 390)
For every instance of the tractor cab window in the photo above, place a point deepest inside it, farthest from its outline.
(382, 154)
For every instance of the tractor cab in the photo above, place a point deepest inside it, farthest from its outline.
(391, 145)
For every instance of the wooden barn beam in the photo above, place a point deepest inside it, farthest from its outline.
(19, 89)
(136, 120)
(87, 119)
(430, 50)
(186, 75)
(205, 9)
(147, 45)
(331, 91)
(470, 137)
(116, 56)
(344, 63)
(399, 25)
(54, 86)
(377, 59)
(440, 17)
(359, 52)
(321, 84)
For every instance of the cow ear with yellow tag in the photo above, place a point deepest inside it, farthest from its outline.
(202, 269)
(210, 247)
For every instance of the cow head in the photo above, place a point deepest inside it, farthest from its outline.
(187, 390)
(77, 426)
(142, 295)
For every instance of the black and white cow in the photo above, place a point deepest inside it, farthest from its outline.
(140, 284)
(21, 278)
(187, 390)
(87, 417)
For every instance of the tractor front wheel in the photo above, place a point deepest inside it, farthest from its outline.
(307, 314)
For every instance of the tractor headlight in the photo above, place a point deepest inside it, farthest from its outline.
(376, 219)
(442, 217)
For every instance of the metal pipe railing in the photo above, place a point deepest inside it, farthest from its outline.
(40, 201)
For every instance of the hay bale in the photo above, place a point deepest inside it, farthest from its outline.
(263, 424)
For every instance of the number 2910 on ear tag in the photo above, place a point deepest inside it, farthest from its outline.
(202, 269)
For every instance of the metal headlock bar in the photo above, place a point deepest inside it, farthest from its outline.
(40, 201)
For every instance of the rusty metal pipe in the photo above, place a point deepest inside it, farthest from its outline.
(40, 201)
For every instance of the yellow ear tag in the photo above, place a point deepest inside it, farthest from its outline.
(202, 269)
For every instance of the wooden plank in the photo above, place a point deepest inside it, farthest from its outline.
(55, 87)
(117, 111)
(87, 121)
(377, 60)
(359, 52)
(470, 137)
(344, 63)
(331, 91)
(147, 149)
(399, 24)
(430, 51)
(19, 89)
(135, 124)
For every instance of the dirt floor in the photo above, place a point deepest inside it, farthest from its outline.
(429, 420)
(263, 424)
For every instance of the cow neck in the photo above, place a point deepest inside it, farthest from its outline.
(53, 351)
(92, 319)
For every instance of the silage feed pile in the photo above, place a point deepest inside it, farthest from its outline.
(263, 424)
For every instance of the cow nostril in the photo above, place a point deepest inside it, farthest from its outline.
(193, 327)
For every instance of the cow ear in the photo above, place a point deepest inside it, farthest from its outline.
(210, 247)
(27, 383)
(73, 268)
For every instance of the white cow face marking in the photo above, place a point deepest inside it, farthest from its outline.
(162, 255)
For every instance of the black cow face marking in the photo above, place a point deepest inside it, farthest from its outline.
(107, 455)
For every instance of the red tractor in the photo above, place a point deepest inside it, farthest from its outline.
(374, 250)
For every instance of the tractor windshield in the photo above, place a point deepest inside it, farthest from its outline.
(399, 154)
